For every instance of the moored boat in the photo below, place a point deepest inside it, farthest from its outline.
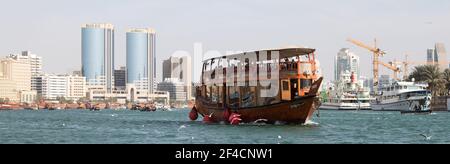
(347, 94)
(279, 85)
(403, 96)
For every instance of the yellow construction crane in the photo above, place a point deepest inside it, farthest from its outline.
(376, 54)
(394, 66)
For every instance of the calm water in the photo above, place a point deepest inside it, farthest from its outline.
(125, 126)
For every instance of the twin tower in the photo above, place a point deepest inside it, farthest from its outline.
(98, 57)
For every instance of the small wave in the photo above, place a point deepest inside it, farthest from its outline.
(181, 127)
(310, 123)
(280, 123)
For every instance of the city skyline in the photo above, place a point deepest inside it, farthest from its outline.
(401, 27)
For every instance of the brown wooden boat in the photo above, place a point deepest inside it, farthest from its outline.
(237, 96)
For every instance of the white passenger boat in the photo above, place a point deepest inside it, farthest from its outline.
(403, 96)
(347, 94)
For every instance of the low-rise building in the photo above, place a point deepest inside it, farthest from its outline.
(177, 90)
(71, 87)
(131, 94)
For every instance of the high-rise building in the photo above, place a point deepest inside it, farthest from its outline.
(179, 67)
(167, 69)
(431, 57)
(346, 61)
(120, 78)
(35, 64)
(141, 59)
(15, 77)
(20, 72)
(7, 84)
(442, 55)
(98, 55)
(438, 56)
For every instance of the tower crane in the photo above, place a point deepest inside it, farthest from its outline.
(377, 53)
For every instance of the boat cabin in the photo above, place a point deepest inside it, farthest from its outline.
(259, 78)
(403, 90)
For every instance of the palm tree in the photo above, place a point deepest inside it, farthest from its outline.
(431, 75)
(446, 76)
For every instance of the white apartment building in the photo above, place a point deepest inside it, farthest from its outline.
(53, 86)
(69, 87)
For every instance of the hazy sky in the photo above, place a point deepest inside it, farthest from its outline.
(51, 28)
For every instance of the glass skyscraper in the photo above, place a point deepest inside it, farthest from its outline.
(98, 55)
(346, 62)
(438, 56)
(141, 66)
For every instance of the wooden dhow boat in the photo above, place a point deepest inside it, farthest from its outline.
(270, 86)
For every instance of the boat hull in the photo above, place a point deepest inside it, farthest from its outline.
(417, 112)
(300, 110)
(405, 105)
(328, 106)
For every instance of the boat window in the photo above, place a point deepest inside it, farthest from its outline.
(248, 97)
(233, 94)
(303, 58)
(285, 86)
(220, 94)
(207, 66)
(283, 65)
(204, 91)
(234, 63)
(247, 65)
(294, 64)
(208, 92)
(305, 68)
(214, 64)
(214, 94)
(262, 101)
(403, 96)
(305, 83)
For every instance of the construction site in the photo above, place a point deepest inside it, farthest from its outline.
(400, 70)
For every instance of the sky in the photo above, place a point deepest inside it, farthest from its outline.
(52, 28)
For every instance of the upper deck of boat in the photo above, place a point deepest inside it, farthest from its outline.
(283, 53)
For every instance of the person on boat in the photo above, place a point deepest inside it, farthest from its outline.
(293, 64)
